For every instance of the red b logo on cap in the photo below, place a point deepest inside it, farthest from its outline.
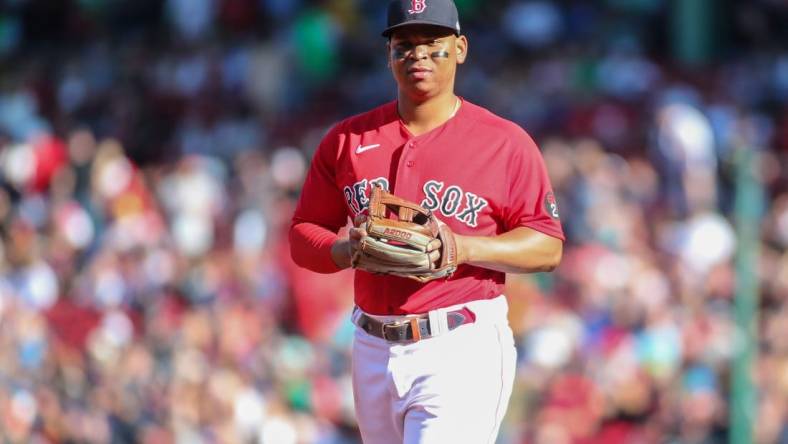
(417, 6)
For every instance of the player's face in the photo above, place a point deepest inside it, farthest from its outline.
(424, 59)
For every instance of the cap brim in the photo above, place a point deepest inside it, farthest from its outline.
(387, 32)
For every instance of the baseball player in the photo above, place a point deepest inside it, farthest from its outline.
(432, 362)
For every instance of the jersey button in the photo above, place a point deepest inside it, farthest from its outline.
(410, 163)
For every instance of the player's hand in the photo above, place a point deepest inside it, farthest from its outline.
(462, 256)
(345, 248)
(434, 249)
(355, 234)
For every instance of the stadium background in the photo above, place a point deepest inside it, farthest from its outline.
(151, 152)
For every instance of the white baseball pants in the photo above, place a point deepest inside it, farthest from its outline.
(452, 388)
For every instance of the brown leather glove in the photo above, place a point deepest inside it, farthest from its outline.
(406, 244)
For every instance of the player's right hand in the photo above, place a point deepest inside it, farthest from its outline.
(355, 234)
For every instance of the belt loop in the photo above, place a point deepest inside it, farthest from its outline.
(356, 315)
(439, 323)
(414, 326)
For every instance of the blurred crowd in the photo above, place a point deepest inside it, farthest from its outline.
(151, 152)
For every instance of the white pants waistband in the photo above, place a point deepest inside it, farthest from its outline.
(485, 310)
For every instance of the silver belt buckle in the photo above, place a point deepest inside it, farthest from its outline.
(386, 326)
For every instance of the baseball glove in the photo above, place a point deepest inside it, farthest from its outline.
(401, 246)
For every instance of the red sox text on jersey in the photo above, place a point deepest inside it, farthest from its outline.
(449, 201)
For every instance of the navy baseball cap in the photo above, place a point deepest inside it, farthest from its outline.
(422, 12)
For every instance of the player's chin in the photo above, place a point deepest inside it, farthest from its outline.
(422, 88)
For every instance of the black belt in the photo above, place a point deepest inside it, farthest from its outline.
(411, 328)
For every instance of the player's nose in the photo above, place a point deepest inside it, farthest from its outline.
(420, 52)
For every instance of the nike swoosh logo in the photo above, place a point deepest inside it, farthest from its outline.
(362, 148)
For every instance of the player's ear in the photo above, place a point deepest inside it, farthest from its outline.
(461, 46)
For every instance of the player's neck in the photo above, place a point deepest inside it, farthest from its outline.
(422, 117)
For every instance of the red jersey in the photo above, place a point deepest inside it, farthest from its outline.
(480, 174)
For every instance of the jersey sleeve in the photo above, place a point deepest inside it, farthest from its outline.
(531, 201)
(320, 212)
